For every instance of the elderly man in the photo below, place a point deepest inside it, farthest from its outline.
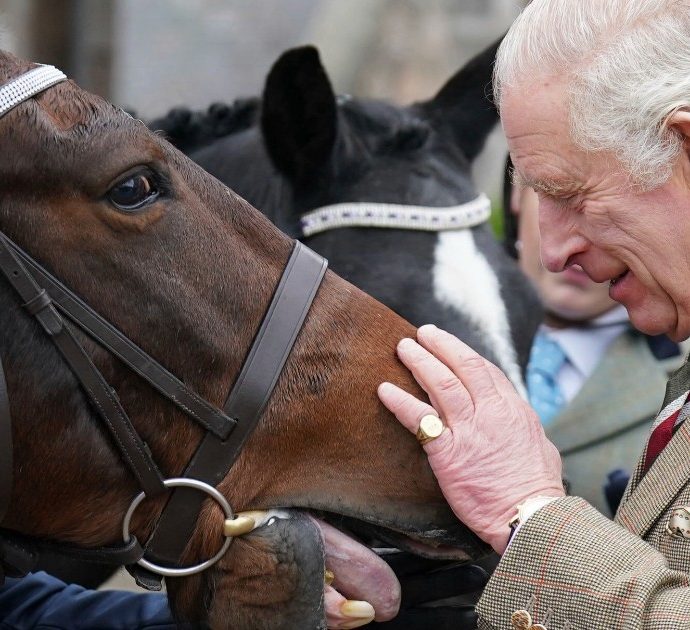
(594, 97)
(594, 380)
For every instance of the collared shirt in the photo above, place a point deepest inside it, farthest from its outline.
(585, 346)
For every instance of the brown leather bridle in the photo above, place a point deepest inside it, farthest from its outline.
(58, 309)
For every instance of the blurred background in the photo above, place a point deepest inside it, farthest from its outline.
(151, 55)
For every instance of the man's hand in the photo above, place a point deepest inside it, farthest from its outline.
(493, 453)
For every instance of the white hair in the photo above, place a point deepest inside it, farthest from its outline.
(627, 65)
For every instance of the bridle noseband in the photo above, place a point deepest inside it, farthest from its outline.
(58, 309)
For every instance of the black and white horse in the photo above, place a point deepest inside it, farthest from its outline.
(384, 192)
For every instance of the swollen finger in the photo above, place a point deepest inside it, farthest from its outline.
(446, 391)
(471, 369)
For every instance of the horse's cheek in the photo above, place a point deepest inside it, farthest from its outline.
(273, 579)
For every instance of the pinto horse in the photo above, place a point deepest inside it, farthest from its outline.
(308, 159)
(186, 269)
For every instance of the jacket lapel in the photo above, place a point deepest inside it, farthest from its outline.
(647, 496)
(628, 366)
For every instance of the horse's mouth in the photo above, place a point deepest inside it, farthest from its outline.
(362, 557)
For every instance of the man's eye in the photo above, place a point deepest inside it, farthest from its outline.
(134, 192)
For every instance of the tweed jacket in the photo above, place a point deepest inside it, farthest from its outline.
(607, 423)
(571, 567)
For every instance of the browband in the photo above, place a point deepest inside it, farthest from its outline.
(27, 85)
(397, 216)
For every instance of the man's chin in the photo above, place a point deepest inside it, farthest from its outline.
(651, 323)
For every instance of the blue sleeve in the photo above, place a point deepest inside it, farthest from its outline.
(43, 602)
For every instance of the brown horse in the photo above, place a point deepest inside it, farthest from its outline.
(186, 269)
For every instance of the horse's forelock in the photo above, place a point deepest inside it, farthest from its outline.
(190, 131)
(383, 126)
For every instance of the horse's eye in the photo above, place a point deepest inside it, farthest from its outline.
(134, 192)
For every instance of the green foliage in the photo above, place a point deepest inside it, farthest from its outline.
(496, 219)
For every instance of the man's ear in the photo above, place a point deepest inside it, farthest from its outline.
(679, 121)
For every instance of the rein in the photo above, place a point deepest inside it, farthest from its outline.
(397, 216)
(58, 309)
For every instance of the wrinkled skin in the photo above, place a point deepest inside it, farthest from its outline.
(592, 214)
(188, 277)
(484, 420)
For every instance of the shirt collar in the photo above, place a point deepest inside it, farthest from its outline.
(585, 347)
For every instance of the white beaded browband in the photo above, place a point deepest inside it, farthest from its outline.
(392, 215)
(27, 85)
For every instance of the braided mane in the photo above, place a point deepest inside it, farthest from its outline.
(190, 130)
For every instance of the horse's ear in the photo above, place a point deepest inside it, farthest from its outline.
(299, 115)
(465, 103)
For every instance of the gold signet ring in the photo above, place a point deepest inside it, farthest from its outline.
(430, 427)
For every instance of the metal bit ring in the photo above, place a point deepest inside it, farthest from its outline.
(197, 568)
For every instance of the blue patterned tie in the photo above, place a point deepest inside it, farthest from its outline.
(545, 361)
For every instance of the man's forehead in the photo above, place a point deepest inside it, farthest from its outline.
(530, 112)
(537, 129)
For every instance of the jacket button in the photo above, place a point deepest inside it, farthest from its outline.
(679, 523)
(521, 620)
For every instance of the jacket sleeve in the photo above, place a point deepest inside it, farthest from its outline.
(42, 601)
(571, 567)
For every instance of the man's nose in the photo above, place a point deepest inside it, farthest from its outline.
(560, 240)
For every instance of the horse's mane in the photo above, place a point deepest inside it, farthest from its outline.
(191, 130)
